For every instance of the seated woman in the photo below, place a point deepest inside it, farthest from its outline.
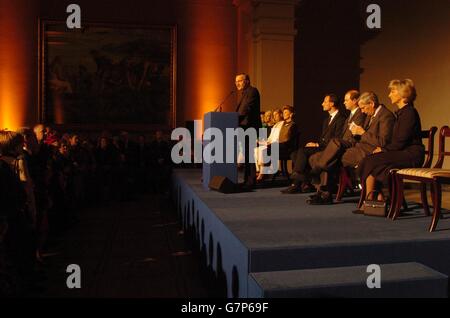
(285, 137)
(273, 137)
(268, 121)
(262, 114)
(405, 149)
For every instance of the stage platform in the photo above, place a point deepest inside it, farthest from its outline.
(266, 231)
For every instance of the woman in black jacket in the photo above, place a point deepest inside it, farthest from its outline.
(406, 149)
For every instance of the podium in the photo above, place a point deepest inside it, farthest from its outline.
(221, 121)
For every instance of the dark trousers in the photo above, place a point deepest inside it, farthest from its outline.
(324, 164)
(330, 156)
(249, 167)
(301, 166)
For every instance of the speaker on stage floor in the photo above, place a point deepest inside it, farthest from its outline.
(222, 184)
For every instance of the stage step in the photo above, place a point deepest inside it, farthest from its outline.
(397, 280)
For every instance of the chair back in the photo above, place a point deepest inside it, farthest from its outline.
(429, 151)
(443, 133)
(295, 143)
(297, 140)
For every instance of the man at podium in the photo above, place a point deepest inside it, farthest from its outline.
(249, 117)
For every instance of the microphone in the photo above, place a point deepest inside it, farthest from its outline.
(219, 107)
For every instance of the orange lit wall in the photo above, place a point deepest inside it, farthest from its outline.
(244, 33)
(206, 50)
(207, 60)
(18, 66)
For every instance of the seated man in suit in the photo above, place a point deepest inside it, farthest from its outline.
(324, 164)
(332, 127)
(376, 132)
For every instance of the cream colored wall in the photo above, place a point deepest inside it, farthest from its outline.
(414, 43)
(275, 79)
(266, 48)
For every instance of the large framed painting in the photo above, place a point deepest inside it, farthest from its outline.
(105, 76)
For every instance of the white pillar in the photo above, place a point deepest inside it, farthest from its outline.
(266, 34)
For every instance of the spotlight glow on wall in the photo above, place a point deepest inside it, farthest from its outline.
(15, 64)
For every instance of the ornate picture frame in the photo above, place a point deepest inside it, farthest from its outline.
(107, 76)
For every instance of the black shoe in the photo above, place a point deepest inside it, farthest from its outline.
(246, 187)
(291, 190)
(314, 196)
(307, 188)
(322, 199)
(358, 211)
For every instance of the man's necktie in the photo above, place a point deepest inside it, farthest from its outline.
(350, 118)
(370, 121)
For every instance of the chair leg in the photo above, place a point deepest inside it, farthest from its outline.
(362, 196)
(405, 204)
(432, 195)
(399, 198)
(287, 171)
(423, 195)
(392, 193)
(437, 205)
(292, 171)
(341, 186)
(284, 168)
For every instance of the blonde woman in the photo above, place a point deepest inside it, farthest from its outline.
(405, 149)
(273, 137)
(267, 119)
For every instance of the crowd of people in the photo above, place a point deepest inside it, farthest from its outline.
(46, 178)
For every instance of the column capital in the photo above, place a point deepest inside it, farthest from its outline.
(274, 18)
(267, 34)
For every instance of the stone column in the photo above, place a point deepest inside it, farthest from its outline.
(266, 35)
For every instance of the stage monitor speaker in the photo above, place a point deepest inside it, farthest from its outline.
(222, 184)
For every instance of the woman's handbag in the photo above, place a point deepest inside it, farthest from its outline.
(375, 207)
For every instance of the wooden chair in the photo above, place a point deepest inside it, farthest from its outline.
(435, 176)
(429, 151)
(345, 182)
(284, 159)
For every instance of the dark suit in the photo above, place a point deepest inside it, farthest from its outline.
(287, 139)
(249, 108)
(378, 134)
(332, 130)
(404, 151)
(249, 117)
(327, 159)
(300, 157)
(359, 118)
